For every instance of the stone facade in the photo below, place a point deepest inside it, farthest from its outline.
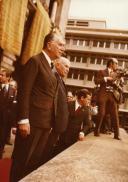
(89, 46)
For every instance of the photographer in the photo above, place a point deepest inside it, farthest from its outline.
(107, 101)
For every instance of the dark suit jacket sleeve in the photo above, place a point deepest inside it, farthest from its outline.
(28, 77)
(99, 77)
(87, 121)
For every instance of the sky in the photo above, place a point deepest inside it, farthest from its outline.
(115, 12)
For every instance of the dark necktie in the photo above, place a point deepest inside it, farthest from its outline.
(5, 91)
(52, 65)
(78, 109)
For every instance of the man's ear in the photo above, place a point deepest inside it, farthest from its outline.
(82, 98)
(49, 46)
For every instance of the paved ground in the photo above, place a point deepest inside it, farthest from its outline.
(96, 159)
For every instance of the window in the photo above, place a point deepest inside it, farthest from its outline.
(78, 59)
(75, 75)
(84, 60)
(70, 74)
(105, 62)
(72, 58)
(92, 61)
(82, 23)
(120, 63)
(90, 75)
(95, 42)
(75, 41)
(70, 22)
(107, 45)
(81, 42)
(86, 42)
(126, 64)
(101, 44)
(98, 60)
(122, 46)
(67, 41)
(81, 76)
(116, 45)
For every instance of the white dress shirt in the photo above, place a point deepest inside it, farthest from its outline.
(109, 71)
(77, 105)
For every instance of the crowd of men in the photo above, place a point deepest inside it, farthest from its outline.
(48, 118)
(8, 93)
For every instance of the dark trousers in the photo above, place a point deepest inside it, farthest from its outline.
(50, 146)
(5, 127)
(107, 104)
(27, 154)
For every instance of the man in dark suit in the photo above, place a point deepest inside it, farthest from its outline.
(107, 104)
(61, 69)
(36, 95)
(79, 119)
(7, 94)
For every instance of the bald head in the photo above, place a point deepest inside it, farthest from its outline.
(62, 66)
(113, 64)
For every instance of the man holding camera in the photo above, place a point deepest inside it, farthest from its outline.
(106, 99)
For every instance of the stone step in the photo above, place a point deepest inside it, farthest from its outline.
(96, 159)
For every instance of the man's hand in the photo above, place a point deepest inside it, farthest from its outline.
(24, 129)
(109, 78)
(81, 136)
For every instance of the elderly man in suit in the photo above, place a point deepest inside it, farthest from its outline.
(36, 95)
(107, 103)
(61, 69)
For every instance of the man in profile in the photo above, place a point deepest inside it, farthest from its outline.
(61, 69)
(79, 119)
(36, 94)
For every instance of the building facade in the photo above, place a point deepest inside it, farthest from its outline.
(89, 45)
(26, 27)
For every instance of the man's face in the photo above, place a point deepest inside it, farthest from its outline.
(3, 77)
(86, 101)
(56, 48)
(62, 69)
(115, 66)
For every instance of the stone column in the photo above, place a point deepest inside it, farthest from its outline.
(54, 10)
(62, 14)
(48, 2)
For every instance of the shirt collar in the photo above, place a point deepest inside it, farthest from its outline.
(77, 105)
(47, 58)
(109, 70)
(5, 85)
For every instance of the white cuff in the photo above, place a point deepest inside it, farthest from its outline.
(23, 121)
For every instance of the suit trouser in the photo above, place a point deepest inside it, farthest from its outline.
(109, 104)
(49, 149)
(27, 153)
(4, 125)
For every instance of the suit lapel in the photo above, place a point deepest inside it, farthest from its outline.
(62, 84)
(106, 72)
(47, 67)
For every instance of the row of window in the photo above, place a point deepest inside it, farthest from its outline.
(95, 60)
(81, 75)
(86, 75)
(77, 23)
(98, 43)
